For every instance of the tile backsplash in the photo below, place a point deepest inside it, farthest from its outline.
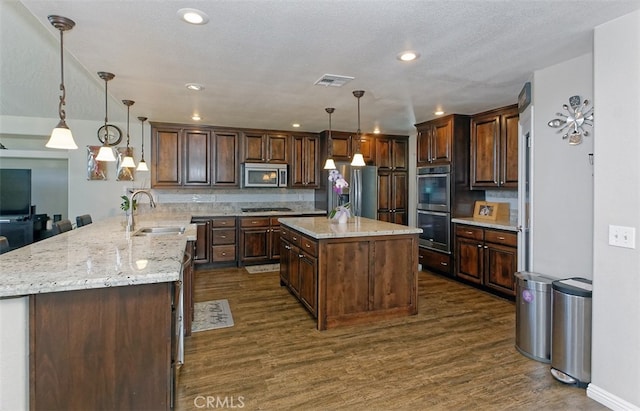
(505, 196)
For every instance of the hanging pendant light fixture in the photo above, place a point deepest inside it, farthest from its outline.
(142, 165)
(358, 159)
(61, 136)
(127, 161)
(106, 132)
(329, 164)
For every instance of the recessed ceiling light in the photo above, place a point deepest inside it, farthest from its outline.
(194, 86)
(193, 16)
(196, 117)
(408, 56)
(438, 113)
(295, 125)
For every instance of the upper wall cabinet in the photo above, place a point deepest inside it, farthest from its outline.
(344, 144)
(184, 156)
(392, 153)
(262, 147)
(305, 171)
(494, 149)
(436, 139)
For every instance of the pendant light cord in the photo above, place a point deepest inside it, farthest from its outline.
(61, 104)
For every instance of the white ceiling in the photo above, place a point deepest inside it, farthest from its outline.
(258, 60)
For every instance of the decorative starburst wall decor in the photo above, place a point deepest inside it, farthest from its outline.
(579, 115)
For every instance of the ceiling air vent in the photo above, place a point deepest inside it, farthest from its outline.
(333, 80)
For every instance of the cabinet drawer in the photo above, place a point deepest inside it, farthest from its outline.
(223, 253)
(469, 232)
(294, 238)
(432, 260)
(222, 236)
(254, 222)
(309, 246)
(501, 237)
(223, 222)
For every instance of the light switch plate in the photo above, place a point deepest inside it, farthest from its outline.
(620, 236)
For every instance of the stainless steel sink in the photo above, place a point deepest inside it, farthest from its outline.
(160, 230)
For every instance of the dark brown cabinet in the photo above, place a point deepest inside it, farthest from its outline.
(223, 240)
(107, 348)
(391, 153)
(299, 268)
(185, 156)
(263, 147)
(487, 257)
(494, 149)
(435, 261)
(201, 247)
(259, 240)
(392, 196)
(305, 171)
(225, 167)
(436, 139)
(344, 144)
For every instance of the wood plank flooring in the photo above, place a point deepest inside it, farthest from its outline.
(456, 354)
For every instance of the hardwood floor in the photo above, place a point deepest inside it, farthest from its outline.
(457, 353)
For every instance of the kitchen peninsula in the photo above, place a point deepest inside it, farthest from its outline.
(362, 271)
(89, 317)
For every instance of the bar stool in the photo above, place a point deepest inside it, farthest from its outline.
(83, 220)
(4, 244)
(62, 226)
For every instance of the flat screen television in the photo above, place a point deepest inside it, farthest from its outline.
(15, 192)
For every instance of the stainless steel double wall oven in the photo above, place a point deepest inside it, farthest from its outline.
(434, 207)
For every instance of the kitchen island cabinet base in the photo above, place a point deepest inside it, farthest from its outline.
(358, 279)
(106, 348)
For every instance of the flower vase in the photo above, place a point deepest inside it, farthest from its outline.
(343, 218)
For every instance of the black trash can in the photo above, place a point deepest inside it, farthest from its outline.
(533, 315)
(571, 331)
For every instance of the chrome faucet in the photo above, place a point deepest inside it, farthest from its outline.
(131, 223)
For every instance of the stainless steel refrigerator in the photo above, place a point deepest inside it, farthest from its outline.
(363, 190)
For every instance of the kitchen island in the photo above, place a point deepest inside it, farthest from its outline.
(362, 271)
(89, 317)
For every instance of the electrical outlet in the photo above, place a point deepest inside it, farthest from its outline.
(620, 236)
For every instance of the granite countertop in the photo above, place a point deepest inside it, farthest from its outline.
(322, 227)
(101, 254)
(509, 225)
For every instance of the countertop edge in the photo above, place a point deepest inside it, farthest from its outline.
(507, 225)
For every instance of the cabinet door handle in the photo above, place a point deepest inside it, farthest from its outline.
(479, 245)
(307, 245)
(443, 263)
(223, 236)
(295, 238)
(486, 246)
(300, 255)
(468, 232)
(500, 238)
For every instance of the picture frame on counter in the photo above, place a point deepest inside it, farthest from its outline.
(491, 211)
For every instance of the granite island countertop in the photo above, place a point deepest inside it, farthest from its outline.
(322, 227)
(508, 225)
(101, 254)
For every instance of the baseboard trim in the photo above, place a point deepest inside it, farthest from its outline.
(609, 400)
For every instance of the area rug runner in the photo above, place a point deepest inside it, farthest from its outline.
(264, 268)
(209, 315)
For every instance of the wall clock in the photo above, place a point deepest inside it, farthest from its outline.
(578, 115)
(110, 135)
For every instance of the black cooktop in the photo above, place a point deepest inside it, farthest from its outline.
(264, 209)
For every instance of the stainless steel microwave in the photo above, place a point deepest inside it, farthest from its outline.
(264, 175)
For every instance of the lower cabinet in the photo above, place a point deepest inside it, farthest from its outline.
(223, 240)
(487, 257)
(299, 268)
(259, 240)
(108, 348)
(435, 261)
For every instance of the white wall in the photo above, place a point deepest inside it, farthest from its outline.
(616, 306)
(562, 181)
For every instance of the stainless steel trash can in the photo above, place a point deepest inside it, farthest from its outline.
(533, 315)
(571, 331)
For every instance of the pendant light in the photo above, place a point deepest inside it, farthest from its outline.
(358, 159)
(329, 164)
(61, 136)
(127, 161)
(106, 152)
(142, 165)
